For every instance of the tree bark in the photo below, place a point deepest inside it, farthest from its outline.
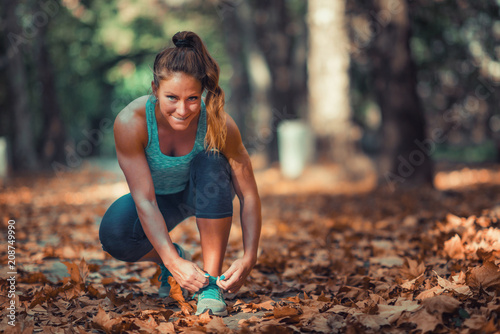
(274, 36)
(53, 138)
(328, 64)
(239, 100)
(23, 154)
(405, 159)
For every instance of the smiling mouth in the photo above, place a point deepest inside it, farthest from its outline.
(179, 118)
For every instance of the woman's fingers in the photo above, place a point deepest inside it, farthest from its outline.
(190, 276)
(231, 278)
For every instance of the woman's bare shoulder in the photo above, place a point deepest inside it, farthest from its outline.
(131, 120)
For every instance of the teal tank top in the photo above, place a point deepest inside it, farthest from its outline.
(170, 174)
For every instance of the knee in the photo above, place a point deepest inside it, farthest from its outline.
(212, 162)
(210, 157)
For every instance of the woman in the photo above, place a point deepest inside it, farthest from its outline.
(183, 157)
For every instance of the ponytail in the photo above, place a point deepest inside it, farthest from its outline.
(189, 55)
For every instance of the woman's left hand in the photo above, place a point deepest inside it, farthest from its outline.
(232, 280)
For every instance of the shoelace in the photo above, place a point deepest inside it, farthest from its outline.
(211, 291)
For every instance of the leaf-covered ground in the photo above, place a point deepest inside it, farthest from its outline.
(335, 257)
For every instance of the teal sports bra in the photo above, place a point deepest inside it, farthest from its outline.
(170, 174)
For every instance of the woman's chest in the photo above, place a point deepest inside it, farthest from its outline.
(178, 144)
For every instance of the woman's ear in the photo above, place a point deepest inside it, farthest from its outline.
(154, 88)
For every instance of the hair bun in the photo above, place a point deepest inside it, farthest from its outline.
(183, 43)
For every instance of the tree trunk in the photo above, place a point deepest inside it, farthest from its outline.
(53, 131)
(239, 104)
(405, 159)
(23, 152)
(274, 36)
(328, 64)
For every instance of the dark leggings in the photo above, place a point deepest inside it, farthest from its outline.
(209, 194)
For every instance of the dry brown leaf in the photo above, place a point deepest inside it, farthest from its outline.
(205, 317)
(372, 321)
(454, 248)
(217, 325)
(425, 321)
(148, 325)
(166, 327)
(317, 324)
(286, 311)
(393, 312)
(103, 322)
(441, 304)
(412, 269)
(486, 276)
(414, 283)
(176, 294)
(430, 293)
(450, 286)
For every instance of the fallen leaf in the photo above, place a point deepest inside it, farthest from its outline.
(176, 294)
(393, 312)
(286, 311)
(454, 248)
(441, 304)
(486, 276)
(451, 286)
(372, 321)
(217, 325)
(425, 321)
(412, 269)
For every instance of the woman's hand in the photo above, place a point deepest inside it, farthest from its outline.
(188, 275)
(232, 280)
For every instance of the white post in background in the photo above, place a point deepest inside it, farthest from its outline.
(295, 147)
(4, 163)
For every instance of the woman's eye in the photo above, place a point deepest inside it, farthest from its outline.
(171, 98)
(193, 98)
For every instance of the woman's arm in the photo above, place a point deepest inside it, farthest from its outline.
(250, 208)
(131, 137)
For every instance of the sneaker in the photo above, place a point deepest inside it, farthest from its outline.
(164, 290)
(210, 298)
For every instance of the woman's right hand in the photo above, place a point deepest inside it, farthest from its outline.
(188, 275)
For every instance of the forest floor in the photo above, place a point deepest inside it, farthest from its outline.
(335, 256)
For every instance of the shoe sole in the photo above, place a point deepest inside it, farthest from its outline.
(210, 312)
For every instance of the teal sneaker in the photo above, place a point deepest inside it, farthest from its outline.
(210, 298)
(164, 290)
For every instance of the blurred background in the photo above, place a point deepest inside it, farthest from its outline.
(400, 86)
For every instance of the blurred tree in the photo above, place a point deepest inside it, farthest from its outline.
(53, 133)
(404, 160)
(20, 133)
(455, 74)
(328, 65)
(266, 44)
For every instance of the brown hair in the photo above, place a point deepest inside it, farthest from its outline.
(189, 55)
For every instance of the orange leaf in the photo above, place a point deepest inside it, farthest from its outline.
(486, 276)
(454, 248)
(285, 311)
(176, 294)
(73, 271)
(217, 325)
(441, 304)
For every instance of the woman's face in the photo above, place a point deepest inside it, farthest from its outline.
(179, 98)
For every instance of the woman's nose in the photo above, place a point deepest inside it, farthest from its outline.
(182, 109)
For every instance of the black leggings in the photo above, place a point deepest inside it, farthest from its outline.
(209, 194)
